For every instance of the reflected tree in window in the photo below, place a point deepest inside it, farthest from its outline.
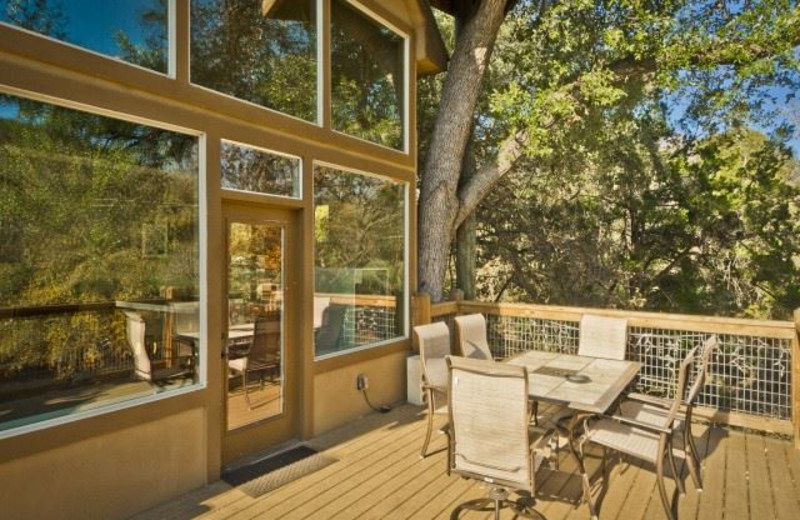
(359, 254)
(80, 196)
(135, 31)
(367, 76)
(264, 52)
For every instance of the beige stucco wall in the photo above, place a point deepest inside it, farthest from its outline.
(336, 400)
(108, 476)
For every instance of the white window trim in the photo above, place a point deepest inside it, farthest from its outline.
(404, 117)
(171, 45)
(202, 199)
(320, 84)
(301, 192)
(406, 257)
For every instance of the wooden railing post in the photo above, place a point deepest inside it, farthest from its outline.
(796, 379)
(421, 309)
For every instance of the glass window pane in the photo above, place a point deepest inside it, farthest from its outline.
(250, 169)
(255, 323)
(99, 269)
(136, 31)
(359, 260)
(367, 76)
(264, 52)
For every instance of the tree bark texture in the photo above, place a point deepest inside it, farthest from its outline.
(466, 243)
(439, 204)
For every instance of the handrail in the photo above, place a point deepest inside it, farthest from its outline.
(49, 310)
(668, 321)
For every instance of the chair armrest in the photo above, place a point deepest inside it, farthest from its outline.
(650, 399)
(638, 424)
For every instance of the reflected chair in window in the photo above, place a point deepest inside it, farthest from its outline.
(434, 345)
(491, 437)
(143, 365)
(263, 354)
(328, 337)
(472, 338)
(653, 410)
(647, 441)
(603, 337)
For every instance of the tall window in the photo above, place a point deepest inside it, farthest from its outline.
(367, 77)
(360, 244)
(261, 51)
(135, 31)
(99, 283)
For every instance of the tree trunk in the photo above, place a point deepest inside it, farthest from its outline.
(438, 203)
(466, 243)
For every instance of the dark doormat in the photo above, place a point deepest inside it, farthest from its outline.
(264, 476)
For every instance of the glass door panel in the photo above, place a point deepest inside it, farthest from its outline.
(255, 342)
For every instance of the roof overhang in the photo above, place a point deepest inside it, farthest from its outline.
(430, 52)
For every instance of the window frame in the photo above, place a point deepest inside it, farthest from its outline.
(202, 229)
(404, 117)
(404, 335)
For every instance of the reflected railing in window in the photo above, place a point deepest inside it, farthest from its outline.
(61, 360)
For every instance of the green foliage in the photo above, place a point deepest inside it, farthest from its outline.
(656, 173)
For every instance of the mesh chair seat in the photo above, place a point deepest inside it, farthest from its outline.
(635, 442)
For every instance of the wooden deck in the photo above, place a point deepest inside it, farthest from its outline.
(379, 475)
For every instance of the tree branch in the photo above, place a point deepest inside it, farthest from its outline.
(482, 181)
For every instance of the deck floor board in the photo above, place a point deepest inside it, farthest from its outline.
(379, 474)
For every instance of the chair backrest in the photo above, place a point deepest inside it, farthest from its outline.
(330, 332)
(320, 304)
(472, 340)
(434, 346)
(489, 420)
(603, 337)
(683, 379)
(266, 337)
(709, 348)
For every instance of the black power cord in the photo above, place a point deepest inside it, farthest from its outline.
(381, 409)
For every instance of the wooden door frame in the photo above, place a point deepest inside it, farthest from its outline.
(259, 436)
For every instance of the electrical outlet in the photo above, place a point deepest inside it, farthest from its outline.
(362, 383)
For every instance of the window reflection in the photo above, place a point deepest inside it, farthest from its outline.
(264, 52)
(251, 169)
(255, 322)
(367, 76)
(359, 271)
(99, 276)
(135, 31)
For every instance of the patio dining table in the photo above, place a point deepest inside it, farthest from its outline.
(581, 383)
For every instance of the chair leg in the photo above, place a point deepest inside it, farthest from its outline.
(246, 395)
(424, 452)
(690, 451)
(673, 467)
(535, 410)
(662, 490)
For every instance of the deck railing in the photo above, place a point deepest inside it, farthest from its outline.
(751, 376)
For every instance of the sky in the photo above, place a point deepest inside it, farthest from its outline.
(93, 23)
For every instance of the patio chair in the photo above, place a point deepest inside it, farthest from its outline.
(600, 337)
(653, 410)
(263, 354)
(143, 365)
(434, 345)
(491, 438)
(471, 334)
(650, 442)
(603, 337)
